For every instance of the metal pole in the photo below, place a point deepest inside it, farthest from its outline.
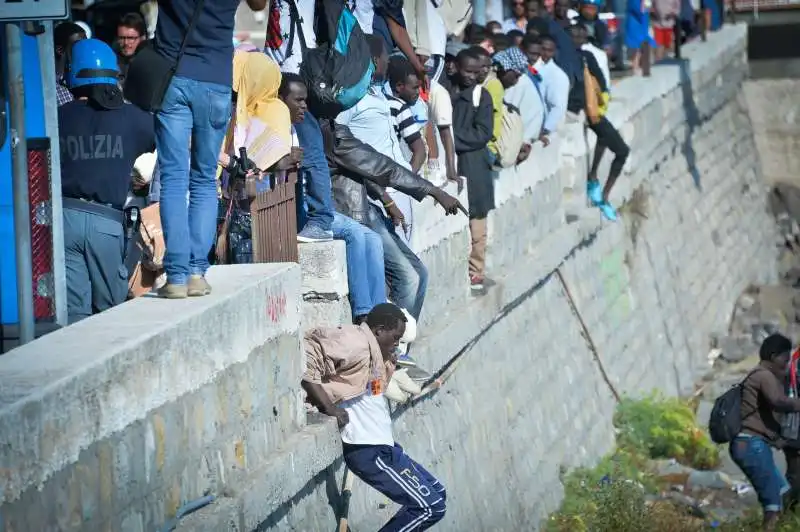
(47, 68)
(19, 172)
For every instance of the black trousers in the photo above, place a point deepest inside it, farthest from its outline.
(609, 138)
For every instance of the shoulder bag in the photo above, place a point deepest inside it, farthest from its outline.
(150, 73)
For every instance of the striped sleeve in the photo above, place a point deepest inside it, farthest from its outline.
(405, 123)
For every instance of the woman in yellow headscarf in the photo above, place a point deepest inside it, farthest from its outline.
(261, 121)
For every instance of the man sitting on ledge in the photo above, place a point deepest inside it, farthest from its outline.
(347, 371)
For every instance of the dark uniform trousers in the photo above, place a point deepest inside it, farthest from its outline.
(94, 254)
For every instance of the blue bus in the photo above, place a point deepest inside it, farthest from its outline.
(44, 186)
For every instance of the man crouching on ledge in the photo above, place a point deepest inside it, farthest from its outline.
(347, 371)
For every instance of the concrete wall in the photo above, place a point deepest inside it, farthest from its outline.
(775, 109)
(105, 440)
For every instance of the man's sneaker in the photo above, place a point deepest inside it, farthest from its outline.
(173, 291)
(313, 233)
(608, 211)
(405, 361)
(594, 192)
(198, 286)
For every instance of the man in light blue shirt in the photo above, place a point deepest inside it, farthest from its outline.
(554, 87)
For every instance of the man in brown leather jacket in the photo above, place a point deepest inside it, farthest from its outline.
(763, 400)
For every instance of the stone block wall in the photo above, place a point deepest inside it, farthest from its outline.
(530, 394)
(106, 431)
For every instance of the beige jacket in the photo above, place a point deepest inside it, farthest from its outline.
(344, 360)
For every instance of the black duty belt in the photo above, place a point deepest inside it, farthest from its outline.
(106, 211)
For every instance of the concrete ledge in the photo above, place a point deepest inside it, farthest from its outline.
(81, 384)
(325, 289)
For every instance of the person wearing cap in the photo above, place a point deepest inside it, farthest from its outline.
(763, 401)
(596, 29)
(512, 71)
(101, 138)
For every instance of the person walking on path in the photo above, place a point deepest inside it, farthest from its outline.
(347, 373)
(762, 398)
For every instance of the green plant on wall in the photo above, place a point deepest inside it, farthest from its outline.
(665, 428)
(618, 494)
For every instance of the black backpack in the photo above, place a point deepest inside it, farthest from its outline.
(725, 421)
(339, 71)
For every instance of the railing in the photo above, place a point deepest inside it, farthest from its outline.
(273, 210)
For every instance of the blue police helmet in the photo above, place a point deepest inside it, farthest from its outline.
(597, 3)
(93, 63)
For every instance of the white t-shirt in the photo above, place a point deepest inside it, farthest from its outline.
(292, 63)
(441, 106)
(370, 422)
(437, 33)
(364, 13)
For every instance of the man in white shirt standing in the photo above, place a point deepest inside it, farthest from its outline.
(347, 371)
(555, 84)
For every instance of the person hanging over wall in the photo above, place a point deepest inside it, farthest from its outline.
(347, 373)
(607, 135)
(365, 272)
(473, 129)
(64, 36)
(101, 138)
(405, 85)
(762, 398)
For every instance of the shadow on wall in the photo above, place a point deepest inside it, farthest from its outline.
(692, 121)
(328, 477)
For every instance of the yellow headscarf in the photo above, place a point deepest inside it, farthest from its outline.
(256, 80)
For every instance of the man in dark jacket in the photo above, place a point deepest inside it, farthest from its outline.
(751, 449)
(472, 130)
(358, 173)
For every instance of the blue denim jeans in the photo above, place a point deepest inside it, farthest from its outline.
(754, 457)
(365, 274)
(94, 249)
(189, 132)
(317, 175)
(407, 276)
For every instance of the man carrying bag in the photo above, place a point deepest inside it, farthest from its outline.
(185, 79)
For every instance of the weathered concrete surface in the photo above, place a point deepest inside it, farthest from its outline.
(775, 110)
(325, 290)
(115, 422)
(528, 396)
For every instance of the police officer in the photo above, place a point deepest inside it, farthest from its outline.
(101, 137)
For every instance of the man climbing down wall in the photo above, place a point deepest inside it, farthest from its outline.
(347, 373)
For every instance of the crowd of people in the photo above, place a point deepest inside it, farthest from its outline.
(436, 108)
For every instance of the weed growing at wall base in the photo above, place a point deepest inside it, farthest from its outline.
(665, 428)
(620, 494)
